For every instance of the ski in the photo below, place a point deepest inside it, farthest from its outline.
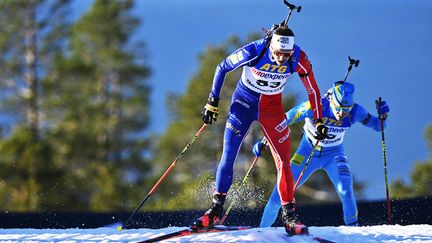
(313, 237)
(322, 240)
(219, 228)
(185, 232)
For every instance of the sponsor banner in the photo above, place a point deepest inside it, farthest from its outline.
(264, 82)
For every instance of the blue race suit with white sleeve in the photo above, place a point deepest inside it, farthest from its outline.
(330, 155)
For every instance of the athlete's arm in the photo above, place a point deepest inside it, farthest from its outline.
(299, 113)
(238, 58)
(360, 114)
(304, 70)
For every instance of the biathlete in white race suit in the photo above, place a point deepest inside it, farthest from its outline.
(339, 113)
(258, 97)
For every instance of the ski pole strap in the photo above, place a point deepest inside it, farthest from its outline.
(291, 65)
(211, 108)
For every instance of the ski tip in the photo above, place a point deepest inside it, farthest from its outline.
(120, 228)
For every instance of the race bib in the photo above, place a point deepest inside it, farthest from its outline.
(269, 80)
(335, 134)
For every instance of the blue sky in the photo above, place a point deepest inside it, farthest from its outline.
(391, 38)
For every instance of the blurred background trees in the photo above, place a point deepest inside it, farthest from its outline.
(29, 42)
(74, 119)
(421, 176)
(75, 97)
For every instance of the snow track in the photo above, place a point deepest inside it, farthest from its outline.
(382, 233)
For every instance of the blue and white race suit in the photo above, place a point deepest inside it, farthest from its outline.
(330, 156)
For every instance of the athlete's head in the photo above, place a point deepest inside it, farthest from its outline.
(341, 99)
(282, 44)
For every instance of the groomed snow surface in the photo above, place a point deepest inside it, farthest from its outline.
(382, 233)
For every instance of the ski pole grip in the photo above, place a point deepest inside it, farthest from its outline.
(382, 117)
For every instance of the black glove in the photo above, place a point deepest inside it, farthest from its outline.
(321, 130)
(210, 111)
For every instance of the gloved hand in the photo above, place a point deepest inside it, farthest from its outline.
(259, 146)
(210, 110)
(321, 130)
(382, 108)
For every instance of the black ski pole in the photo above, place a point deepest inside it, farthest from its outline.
(351, 63)
(163, 176)
(306, 165)
(383, 147)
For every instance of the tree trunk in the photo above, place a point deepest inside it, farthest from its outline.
(31, 71)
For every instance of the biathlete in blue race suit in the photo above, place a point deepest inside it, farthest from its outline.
(339, 113)
(258, 97)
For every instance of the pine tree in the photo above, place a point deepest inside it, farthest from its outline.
(421, 177)
(29, 39)
(99, 108)
(29, 35)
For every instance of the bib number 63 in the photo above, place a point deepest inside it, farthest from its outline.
(267, 84)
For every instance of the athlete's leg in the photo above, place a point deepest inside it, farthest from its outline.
(341, 177)
(277, 134)
(237, 126)
(272, 207)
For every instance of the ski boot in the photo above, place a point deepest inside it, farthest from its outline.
(291, 223)
(212, 216)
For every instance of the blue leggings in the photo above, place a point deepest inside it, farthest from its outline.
(334, 162)
(267, 110)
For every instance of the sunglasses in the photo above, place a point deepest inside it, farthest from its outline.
(344, 109)
(283, 54)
